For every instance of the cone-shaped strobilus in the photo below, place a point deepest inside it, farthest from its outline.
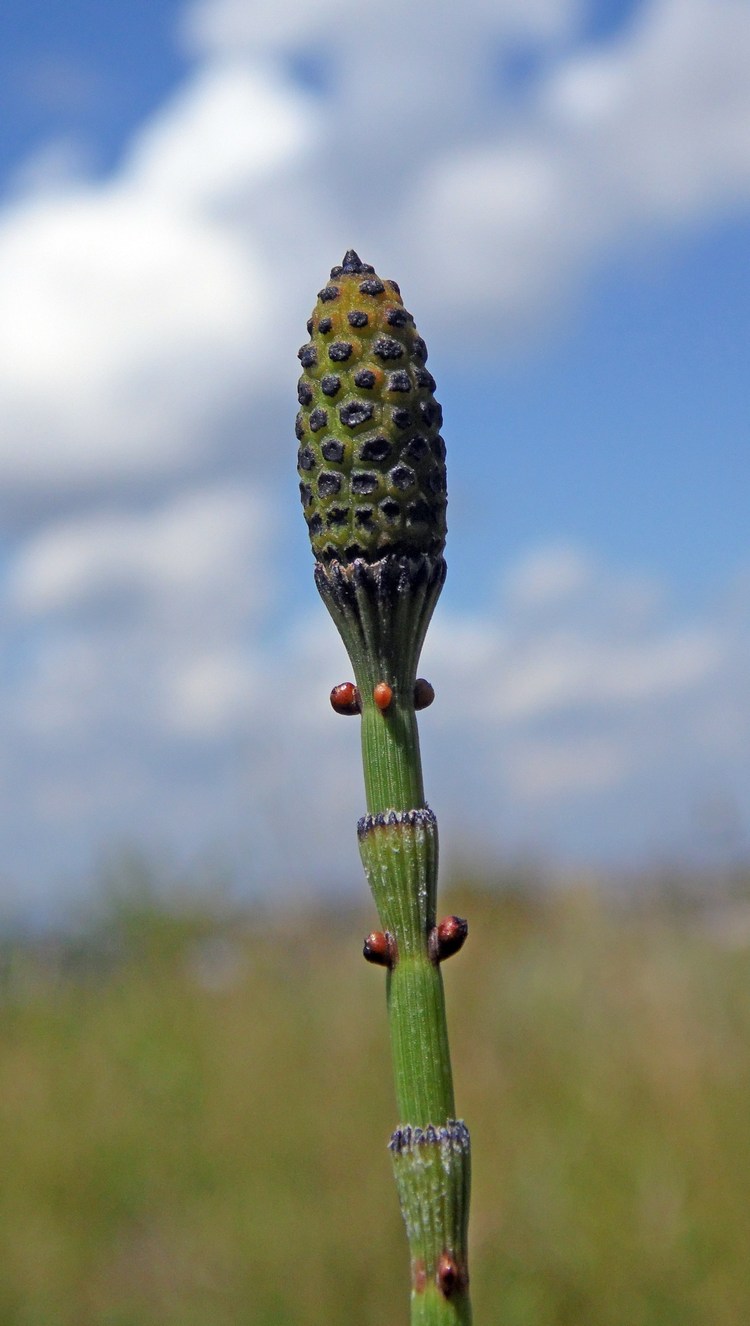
(372, 480)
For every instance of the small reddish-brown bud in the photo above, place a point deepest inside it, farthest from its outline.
(448, 937)
(449, 1276)
(345, 699)
(380, 948)
(382, 695)
(424, 693)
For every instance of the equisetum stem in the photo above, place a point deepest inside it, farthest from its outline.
(399, 847)
(398, 842)
(390, 754)
(430, 1151)
(371, 463)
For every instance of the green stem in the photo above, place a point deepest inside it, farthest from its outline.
(390, 753)
(382, 613)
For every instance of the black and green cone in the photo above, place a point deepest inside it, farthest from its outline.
(371, 459)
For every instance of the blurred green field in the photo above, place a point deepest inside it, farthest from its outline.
(194, 1111)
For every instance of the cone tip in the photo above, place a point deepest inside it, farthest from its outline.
(352, 265)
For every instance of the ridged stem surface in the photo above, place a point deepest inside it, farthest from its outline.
(382, 614)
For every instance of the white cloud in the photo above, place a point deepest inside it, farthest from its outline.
(133, 312)
(519, 679)
(140, 623)
(199, 545)
(227, 130)
(548, 575)
(569, 768)
(565, 669)
(211, 693)
(121, 326)
(622, 142)
(60, 164)
(223, 26)
(60, 694)
(570, 642)
(663, 118)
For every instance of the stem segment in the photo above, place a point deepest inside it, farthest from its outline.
(382, 611)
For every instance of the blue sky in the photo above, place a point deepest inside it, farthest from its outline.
(563, 192)
(86, 70)
(628, 431)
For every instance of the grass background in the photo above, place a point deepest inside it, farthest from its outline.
(195, 1102)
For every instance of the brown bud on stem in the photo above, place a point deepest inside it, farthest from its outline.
(345, 699)
(382, 695)
(424, 693)
(449, 1275)
(380, 948)
(448, 937)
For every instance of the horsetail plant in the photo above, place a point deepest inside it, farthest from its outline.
(372, 480)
